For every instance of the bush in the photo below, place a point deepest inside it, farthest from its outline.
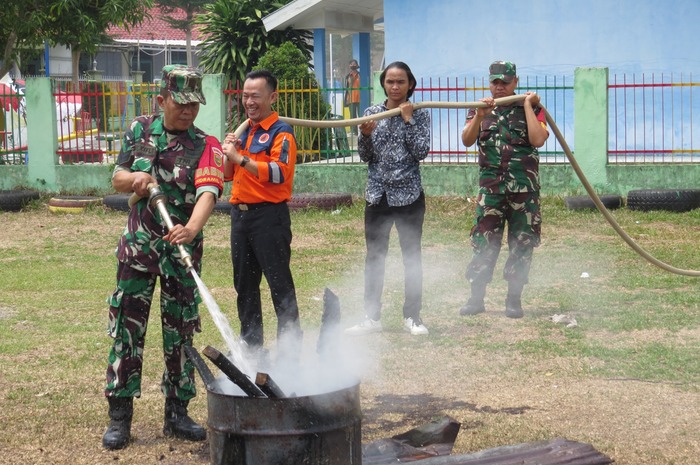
(300, 96)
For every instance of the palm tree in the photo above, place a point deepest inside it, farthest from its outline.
(236, 37)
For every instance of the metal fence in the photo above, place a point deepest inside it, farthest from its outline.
(555, 92)
(92, 119)
(13, 123)
(651, 118)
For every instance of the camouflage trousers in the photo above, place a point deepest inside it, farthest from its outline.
(521, 211)
(129, 308)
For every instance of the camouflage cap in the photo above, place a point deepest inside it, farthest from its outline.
(503, 70)
(184, 83)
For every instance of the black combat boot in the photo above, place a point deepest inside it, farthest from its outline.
(118, 434)
(514, 308)
(178, 424)
(475, 304)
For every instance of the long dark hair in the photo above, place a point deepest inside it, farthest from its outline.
(411, 78)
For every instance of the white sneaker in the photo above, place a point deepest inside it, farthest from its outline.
(367, 326)
(415, 327)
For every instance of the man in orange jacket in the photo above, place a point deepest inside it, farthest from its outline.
(261, 166)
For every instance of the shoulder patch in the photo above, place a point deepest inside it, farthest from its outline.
(264, 138)
(218, 157)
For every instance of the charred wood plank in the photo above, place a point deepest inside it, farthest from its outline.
(553, 452)
(418, 444)
(443, 431)
(232, 372)
(330, 325)
(268, 386)
(201, 367)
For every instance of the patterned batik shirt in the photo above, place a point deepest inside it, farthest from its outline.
(507, 160)
(393, 153)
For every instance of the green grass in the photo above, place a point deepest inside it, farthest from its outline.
(635, 321)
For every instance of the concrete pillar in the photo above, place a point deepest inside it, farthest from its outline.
(95, 74)
(42, 134)
(591, 124)
(138, 76)
(212, 116)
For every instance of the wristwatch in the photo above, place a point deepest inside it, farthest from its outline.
(411, 121)
(244, 161)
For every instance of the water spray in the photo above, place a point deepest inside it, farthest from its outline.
(157, 199)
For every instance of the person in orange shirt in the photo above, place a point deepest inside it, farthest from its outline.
(352, 92)
(261, 165)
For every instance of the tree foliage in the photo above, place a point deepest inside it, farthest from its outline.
(21, 26)
(190, 8)
(81, 24)
(78, 24)
(300, 96)
(236, 37)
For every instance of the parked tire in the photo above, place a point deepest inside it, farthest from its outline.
(223, 206)
(585, 202)
(15, 200)
(675, 200)
(320, 200)
(72, 204)
(117, 202)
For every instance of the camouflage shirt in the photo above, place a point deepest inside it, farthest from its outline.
(393, 152)
(507, 160)
(183, 164)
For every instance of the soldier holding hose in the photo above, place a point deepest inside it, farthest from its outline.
(509, 187)
(187, 165)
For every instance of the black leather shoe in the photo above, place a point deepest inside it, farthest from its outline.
(514, 309)
(473, 307)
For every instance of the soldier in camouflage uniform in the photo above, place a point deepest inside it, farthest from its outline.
(187, 164)
(509, 187)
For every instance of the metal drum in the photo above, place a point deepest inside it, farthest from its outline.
(320, 429)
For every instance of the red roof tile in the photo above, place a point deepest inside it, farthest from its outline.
(155, 28)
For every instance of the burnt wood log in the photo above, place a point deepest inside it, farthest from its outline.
(268, 386)
(330, 325)
(427, 441)
(553, 452)
(232, 372)
(201, 367)
(443, 431)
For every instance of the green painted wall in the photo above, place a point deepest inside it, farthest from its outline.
(590, 134)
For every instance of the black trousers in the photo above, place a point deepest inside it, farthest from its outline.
(408, 219)
(261, 245)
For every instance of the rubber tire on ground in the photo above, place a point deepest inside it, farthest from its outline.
(675, 200)
(585, 202)
(223, 206)
(320, 200)
(14, 200)
(72, 203)
(118, 202)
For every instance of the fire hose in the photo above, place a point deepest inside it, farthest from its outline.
(499, 101)
(158, 200)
